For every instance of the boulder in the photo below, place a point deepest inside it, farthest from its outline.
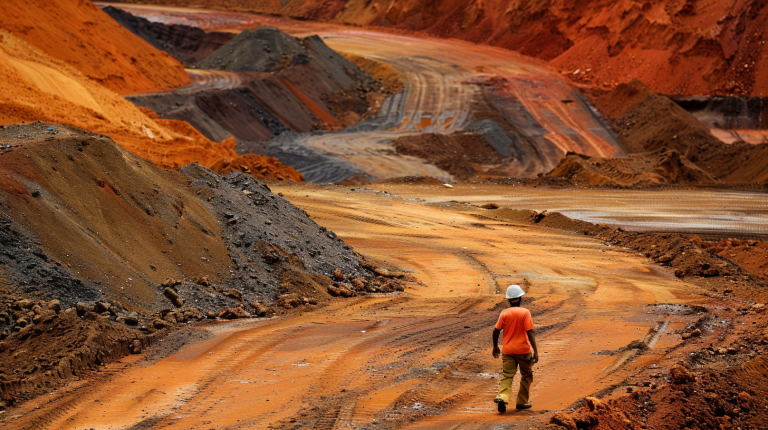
(102, 307)
(233, 313)
(159, 324)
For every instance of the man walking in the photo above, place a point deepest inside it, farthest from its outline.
(519, 349)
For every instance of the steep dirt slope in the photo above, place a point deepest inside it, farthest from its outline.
(681, 47)
(39, 88)
(646, 121)
(189, 45)
(636, 170)
(89, 229)
(80, 34)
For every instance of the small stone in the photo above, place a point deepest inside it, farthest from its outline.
(44, 316)
(259, 310)
(233, 313)
(136, 346)
(170, 293)
(234, 294)
(159, 324)
(84, 307)
(338, 275)
(595, 403)
(681, 375)
(22, 304)
(102, 307)
(54, 305)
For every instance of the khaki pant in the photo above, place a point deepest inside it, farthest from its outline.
(525, 361)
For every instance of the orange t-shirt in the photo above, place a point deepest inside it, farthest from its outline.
(515, 322)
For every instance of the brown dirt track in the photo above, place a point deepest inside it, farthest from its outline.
(421, 359)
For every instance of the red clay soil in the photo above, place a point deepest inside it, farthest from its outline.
(40, 88)
(752, 255)
(259, 166)
(646, 121)
(636, 170)
(706, 399)
(80, 34)
(680, 47)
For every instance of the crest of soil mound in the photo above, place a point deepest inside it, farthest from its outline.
(646, 122)
(636, 170)
(96, 241)
(80, 34)
(40, 88)
(189, 45)
(677, 47)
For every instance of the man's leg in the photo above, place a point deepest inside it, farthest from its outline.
(508, 372)
(526, 377)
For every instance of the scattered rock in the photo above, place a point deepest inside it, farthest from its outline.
(54, 305)
(289, 301)
(171, 294)
(563, 420)
(340, 290)
(338, 275)
(84, 307)
(44, 316)
(136, 346)
(259, 310)
(681, 375)
(234, 294)
(233, 313)
(170, 282)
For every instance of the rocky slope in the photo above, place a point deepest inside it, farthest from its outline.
(189, 45)
(284, 84)
(81, 35)
(96, 238)
(680, 47)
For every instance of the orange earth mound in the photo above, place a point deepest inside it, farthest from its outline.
(80, 34)
(681, 47)
(40, 88)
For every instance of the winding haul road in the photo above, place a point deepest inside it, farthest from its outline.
(415, 360)
(419, 359)
(450, 86)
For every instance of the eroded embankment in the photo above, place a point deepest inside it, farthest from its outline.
(97, 240)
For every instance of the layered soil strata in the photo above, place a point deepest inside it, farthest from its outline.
(662, 167)
(646, 121)
(81, 35)
(189, 45)
(677, 47)
(284, 84)
(101, 235)
(40, 88)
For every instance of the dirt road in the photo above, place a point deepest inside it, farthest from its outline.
(449, 86)
(419, 359)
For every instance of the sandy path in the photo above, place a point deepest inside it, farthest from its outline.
(421, 358)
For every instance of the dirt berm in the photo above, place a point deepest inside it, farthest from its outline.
(647, 122)
(663, 167)
(92, 234)
(189, 45)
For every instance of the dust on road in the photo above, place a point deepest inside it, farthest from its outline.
(420, 358)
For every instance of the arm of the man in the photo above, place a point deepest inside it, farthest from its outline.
(532, 339)
(496, 350)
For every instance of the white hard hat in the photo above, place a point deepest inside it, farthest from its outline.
(515, 292)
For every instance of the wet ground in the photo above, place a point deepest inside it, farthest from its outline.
(716, 213)
(418, 359)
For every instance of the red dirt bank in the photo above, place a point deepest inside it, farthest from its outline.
(681, 47)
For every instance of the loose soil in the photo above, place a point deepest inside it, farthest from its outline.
(663, 167)
(112, 242)
(81, 35)
(607, 320)
(646, 121)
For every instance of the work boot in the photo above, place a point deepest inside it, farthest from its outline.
(502, 405)
(525, 406)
